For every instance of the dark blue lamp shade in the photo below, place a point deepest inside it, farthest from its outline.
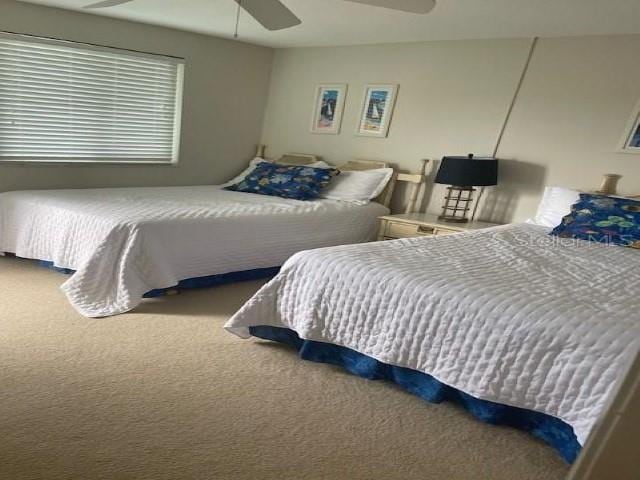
(468, 171)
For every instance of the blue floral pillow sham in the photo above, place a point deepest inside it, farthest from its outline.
(296, 182)
(603, 219)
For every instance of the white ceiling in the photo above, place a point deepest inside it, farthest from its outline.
(336, 22)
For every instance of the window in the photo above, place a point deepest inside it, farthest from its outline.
(68, 102)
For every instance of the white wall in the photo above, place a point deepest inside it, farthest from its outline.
(226, 85)
(572, 110)
(571, 114)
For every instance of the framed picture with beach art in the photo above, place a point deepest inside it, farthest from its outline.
(377, 109)
(631, 140)
(328, 107)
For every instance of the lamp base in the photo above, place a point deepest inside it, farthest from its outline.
(456, 204)
(450, 219)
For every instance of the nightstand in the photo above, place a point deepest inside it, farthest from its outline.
(410, 225)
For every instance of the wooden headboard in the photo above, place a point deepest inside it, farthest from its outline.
(359, 165)
(609, 185)
(416, 180)
(297, 159)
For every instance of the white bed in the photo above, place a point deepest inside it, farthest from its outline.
(506, 315)
(125, 242)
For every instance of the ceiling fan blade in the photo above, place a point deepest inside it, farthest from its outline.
(411, 6)
(108, 3)
(271, 14)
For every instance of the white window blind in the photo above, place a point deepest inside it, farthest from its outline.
(68, 102)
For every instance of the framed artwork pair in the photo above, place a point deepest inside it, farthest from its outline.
(375, 112)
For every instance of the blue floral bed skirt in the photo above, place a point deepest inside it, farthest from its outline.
(550, 429)
(216, 280)
(190, 283)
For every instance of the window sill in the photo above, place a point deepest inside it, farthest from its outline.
(83, 163)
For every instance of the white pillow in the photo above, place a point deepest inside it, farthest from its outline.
(357, 186)
(238, 178)
(254, 163)
(555, 204)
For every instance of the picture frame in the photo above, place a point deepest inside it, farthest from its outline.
(630, 142)
(328, 108)
(378, 104)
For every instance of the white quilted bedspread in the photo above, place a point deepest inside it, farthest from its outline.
(124, 242)
(505, 314)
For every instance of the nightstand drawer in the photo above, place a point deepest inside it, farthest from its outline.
(404, 230)
(445, 231)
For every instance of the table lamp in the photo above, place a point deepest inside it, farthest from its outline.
(462, 174)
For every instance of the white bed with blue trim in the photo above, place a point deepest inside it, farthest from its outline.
(125, 242)
(537, 329)
(122, 244)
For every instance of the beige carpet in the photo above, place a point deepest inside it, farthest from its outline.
(165, 393)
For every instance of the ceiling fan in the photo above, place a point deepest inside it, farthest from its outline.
(273, 15)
